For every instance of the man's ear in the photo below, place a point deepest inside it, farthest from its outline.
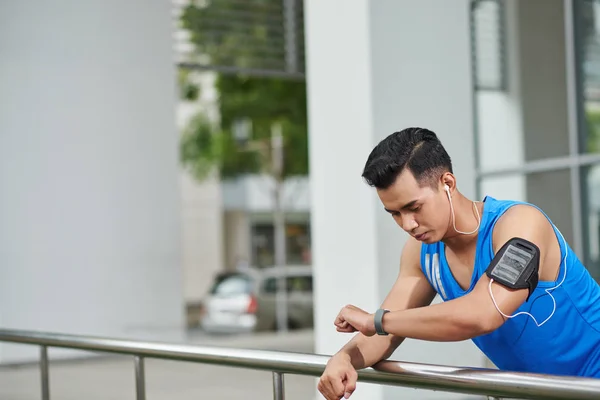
(447, 179)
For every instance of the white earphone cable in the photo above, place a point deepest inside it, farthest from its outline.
(564, 260)
(453, 215)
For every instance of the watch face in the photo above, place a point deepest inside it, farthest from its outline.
(512, 264)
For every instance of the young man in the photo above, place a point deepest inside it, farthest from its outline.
(509, 280)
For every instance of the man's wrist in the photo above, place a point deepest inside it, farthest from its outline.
(343, 355)
(378, 321)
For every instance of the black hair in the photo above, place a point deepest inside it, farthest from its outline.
(417, 149)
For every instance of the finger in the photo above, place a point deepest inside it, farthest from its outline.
(337, 389)
(350, 383)
(339, 319)
(347, 327)
(324, 388)
(342, 323)
(327, 389)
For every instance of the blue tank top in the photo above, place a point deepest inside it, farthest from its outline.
(567, 344)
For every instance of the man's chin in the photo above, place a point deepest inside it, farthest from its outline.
(428, 238)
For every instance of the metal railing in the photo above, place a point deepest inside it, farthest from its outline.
(476, 381)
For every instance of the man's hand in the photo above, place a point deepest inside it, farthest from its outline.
(352, 319)
(338, 379)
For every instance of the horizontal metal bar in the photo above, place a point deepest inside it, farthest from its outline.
(240, 70)
(551, 164)
(423, 376)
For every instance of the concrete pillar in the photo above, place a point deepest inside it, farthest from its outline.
(387, 65)
(89, 204)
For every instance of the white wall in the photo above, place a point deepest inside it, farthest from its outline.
(387, 65)
(90, 231)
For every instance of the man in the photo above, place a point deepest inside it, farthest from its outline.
(508, 279)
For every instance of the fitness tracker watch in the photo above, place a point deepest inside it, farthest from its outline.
(379, 320)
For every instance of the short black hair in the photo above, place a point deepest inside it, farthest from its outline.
(417, 149)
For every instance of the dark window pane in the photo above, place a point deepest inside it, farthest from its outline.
(590, 187)
(587, 22)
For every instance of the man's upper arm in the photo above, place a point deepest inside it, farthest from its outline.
(524, 222)
(411, 289)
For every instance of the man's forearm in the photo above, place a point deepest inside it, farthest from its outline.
(444, 322)
(364, 351)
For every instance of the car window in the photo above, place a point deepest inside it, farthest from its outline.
(231, 285)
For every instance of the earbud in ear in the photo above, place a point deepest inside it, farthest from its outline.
(446, 188)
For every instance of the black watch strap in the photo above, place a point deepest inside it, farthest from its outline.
(379, 320)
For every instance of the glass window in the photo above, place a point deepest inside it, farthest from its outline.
(527, 120)
(263, 245)
(297, 284)
(587, 23)
(590, 177)
(300, 284)
(270, 285)
(298, 251)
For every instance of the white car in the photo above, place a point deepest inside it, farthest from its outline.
(245, 301)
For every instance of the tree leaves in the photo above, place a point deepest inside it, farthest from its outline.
(233, 33)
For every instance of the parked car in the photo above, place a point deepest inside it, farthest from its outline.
(245, 301)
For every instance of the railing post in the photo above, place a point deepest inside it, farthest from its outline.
(140, 381)
(44, 373)
(278, 389)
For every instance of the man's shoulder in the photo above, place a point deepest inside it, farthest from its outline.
(519, 215)
(412, 248)
(411, 252)
(520, 220)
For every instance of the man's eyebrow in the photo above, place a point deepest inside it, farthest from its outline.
(404, 207)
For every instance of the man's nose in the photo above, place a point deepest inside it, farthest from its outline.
(409, 224)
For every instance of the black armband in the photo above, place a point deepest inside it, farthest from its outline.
(516, 265)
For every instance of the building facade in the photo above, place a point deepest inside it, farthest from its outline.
(511, 89)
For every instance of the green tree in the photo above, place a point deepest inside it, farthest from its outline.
(262, 100)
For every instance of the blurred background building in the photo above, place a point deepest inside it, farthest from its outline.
(138, 168)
